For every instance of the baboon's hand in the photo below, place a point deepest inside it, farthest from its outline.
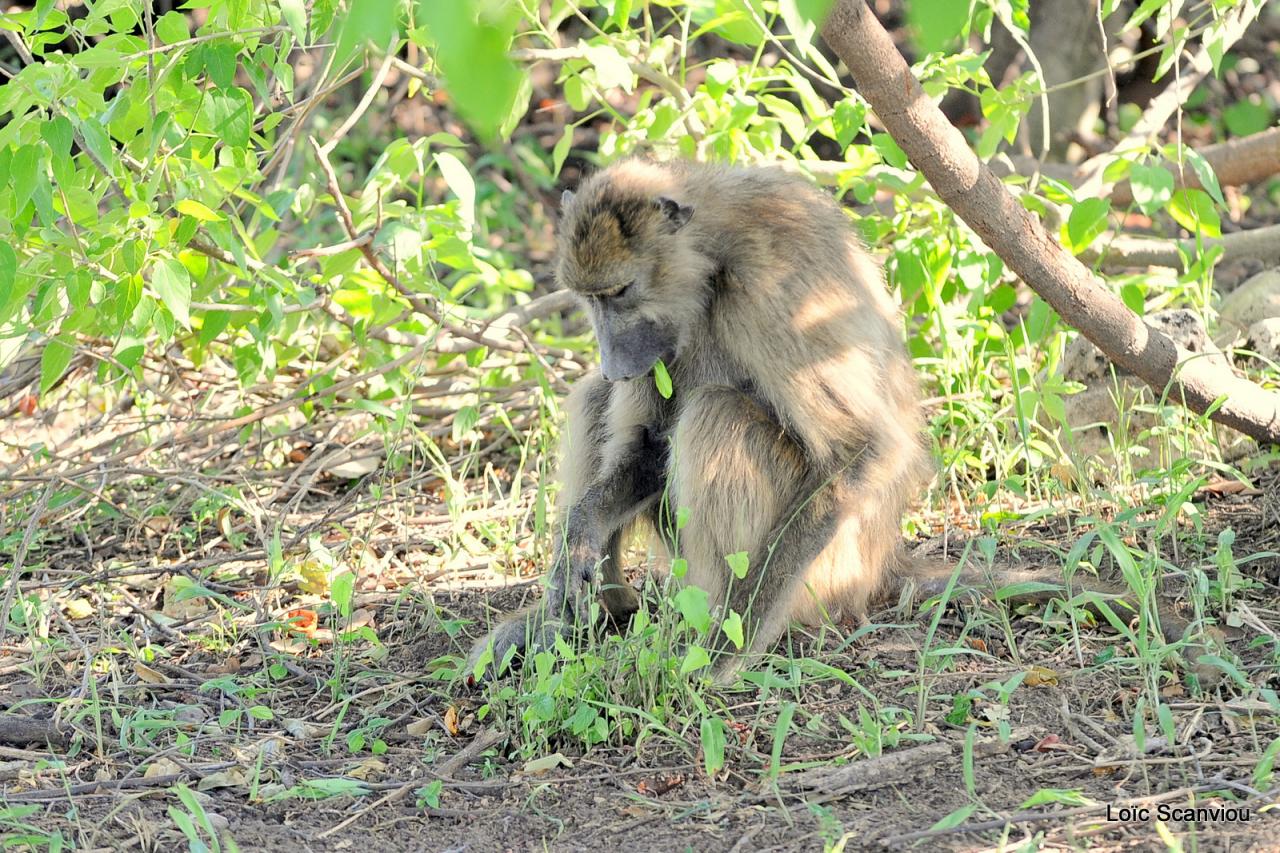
(565, 605)
(529, 630)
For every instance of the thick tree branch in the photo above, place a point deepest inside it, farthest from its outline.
(939, 151)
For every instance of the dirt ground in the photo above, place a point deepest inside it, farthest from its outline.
(117, 731)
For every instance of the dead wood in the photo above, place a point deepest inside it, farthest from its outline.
(939, 151)
(879, 772)
(16, 729)
(1126, 252)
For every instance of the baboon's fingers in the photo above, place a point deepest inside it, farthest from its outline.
(530, 630)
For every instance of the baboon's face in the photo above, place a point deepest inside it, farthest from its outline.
(614, 253)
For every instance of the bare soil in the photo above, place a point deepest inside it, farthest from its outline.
(107, 779)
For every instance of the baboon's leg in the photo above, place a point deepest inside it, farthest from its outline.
(813, 543)
(613, 467)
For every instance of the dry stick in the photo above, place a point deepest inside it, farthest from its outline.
(1123, 252)
(1235, 162)
(379, 78)
(939, 151)
(18, 729)
(890, 769)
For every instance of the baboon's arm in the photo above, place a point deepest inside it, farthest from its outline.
(622, 488)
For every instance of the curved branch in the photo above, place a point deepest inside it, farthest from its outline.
(939, 151)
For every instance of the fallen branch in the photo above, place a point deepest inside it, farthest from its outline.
(872, 773)
(1262, 244)
(1235, 162)
(939, 151)
(16, 729)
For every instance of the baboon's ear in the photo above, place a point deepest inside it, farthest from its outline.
(677, 214)
(565, 198)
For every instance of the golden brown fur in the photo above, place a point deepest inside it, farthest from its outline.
(794, 432)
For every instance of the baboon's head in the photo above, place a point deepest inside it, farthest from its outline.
(623, 249)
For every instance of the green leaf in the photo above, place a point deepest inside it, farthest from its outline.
(696, 658)
(1204, 171)
(847, 119)
(888, 150)
(472, 39)
(956, 818)
(1060, 796)
(342, 590)
(8, 272)
(936, 24)
(738, 563)
(732, 627)
(1088, 219)
(172, 284)
(370, 23)
(803, 18)
(226, 115)
(1025, 588)
(1152, 187)
(57, 132)
(219, 63)
(54, 360)
(691, 602)
(1246, 117)
(171, 27)
(429, 794)
(195, 209)
(22, 170)
(712, 735)
(294, 14)
(612, 68)
(462, 185)
(561, 151)
(1194, 211)
(662, 379)
(780, 731)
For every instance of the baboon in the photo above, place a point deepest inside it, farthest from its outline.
(794, 431)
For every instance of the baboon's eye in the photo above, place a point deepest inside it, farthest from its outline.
(621, 292)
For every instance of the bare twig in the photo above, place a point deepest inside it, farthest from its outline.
(379, 77)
